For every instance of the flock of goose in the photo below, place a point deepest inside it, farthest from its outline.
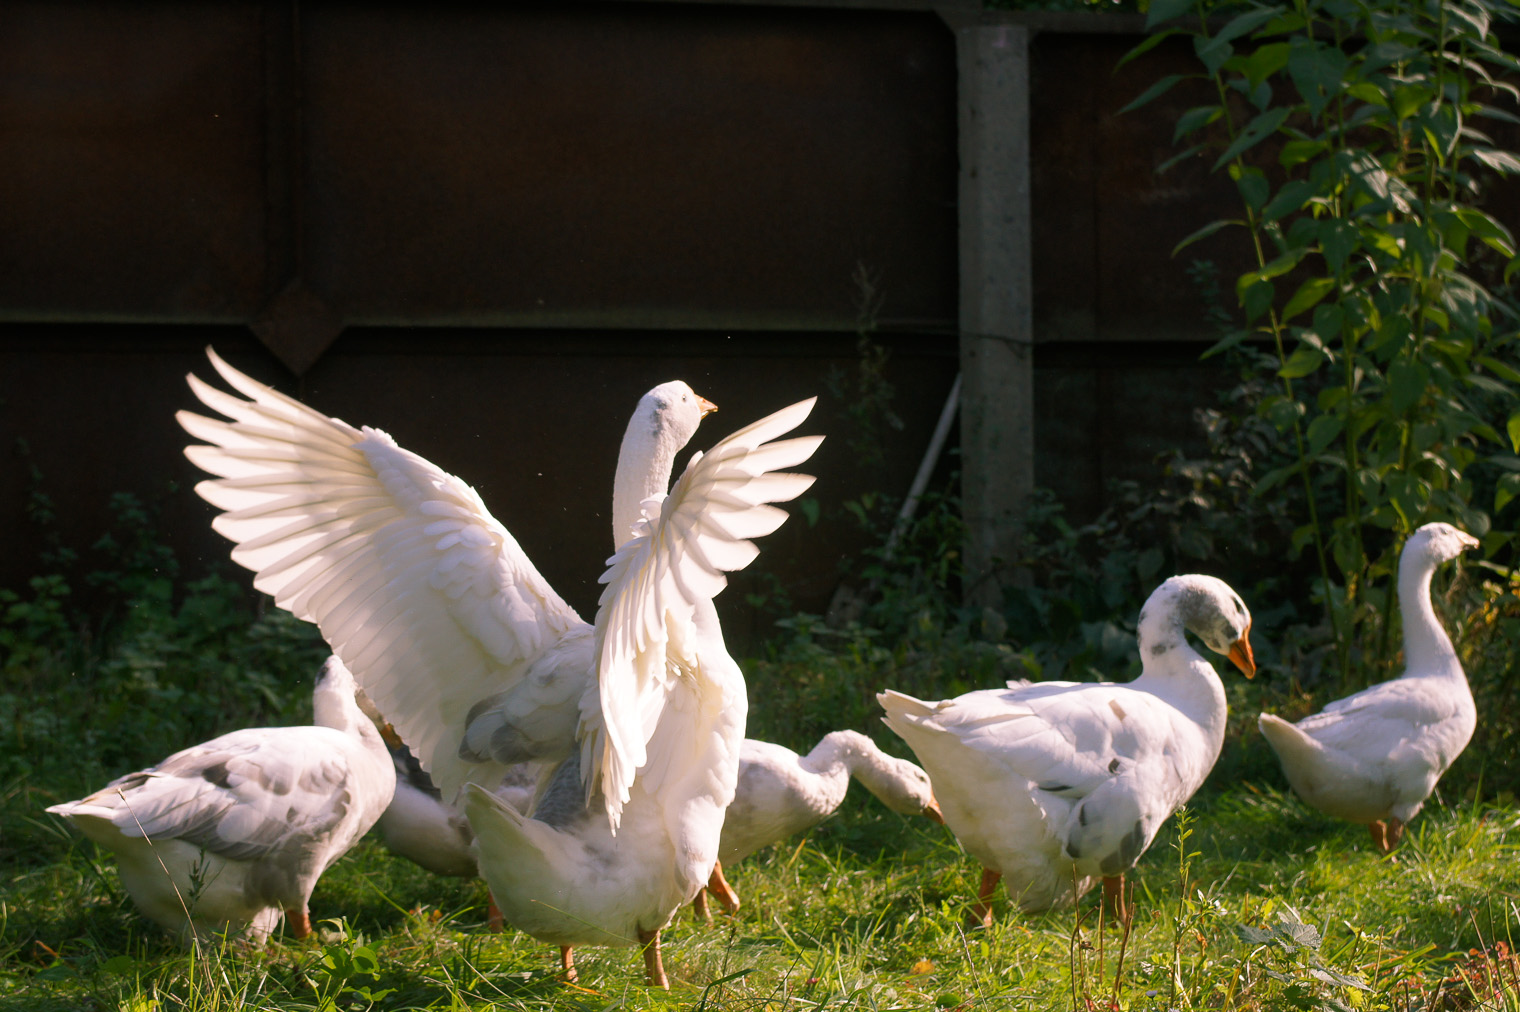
(597, 775)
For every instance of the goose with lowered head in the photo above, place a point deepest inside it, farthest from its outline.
(781, 793)
(473, 656)
(226, 837)
(1374, 757)
(1053, 785)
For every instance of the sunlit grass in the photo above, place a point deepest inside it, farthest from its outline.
(1283, 909)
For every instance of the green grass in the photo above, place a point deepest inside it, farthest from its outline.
(1265, 906)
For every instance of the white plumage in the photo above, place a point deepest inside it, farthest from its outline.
(1374, 757)
(781, 793)
(225, 837)
(1054, 784)
(477, 662)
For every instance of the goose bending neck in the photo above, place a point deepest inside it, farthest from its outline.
(1427, 648)
(664, 421)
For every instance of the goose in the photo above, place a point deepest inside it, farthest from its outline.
(780, 793)
(1375, 756)
(420, 825)
(475, 659)
(226, 837)
(1055, 784)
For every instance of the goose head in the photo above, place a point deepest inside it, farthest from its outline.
(663, 422)
(1438, 542)
(905, 788)
(1206, 607)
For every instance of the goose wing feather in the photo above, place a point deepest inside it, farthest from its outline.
(419, 590)
(647, 635)
(245, 796)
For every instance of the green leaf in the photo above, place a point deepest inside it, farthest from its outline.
(1230, 340)
(1151, 42)
(1301, 363)
(1155, 91)
(1408, 495)
(1253, 186)
(1262, 126)
(1316, 70)
(1406, 385)
(1337, 239)
(1178, 158)
(1506, 490)
(1513, 428)
(1322, 432)
(1296, 152)
(1196, 119)
(1257, 299)
(1266, 61)
(1212, 52)
(1502, 162)
(1165, 10)
(1205, 232)
(1488, 229)
(1292, 197)
(1500, 369)
(1309, 294)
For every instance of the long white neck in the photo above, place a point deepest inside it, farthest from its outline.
(834, 758)
(333, 705)
(1169, 666)
(644, 463)
(1427, 648)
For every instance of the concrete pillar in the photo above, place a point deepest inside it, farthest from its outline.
(996, 323)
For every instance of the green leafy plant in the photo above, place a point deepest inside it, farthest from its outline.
(1353, 132)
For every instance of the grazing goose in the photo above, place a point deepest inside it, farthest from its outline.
(471, 655)
(1054, 784)
(225, 837)
(781, 793)
(1375, 756)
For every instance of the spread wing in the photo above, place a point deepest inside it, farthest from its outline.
(660, 585)
(418, 589)
(248, 795)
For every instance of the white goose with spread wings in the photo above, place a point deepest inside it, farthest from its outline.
(1054, 784)
(468, 651)
(225, 837)
(1375, 756)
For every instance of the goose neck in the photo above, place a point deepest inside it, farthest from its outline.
(1427, 648)
(645, 459)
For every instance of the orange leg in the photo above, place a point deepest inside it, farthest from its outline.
(1113, 896)
(980, 914)
(699, 907)
(719, 887)
(1395, 832)
(494, 920)
(567, 963)
(1379, 831)
(652, 962)
(298, 921)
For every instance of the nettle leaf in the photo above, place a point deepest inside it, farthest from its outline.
(1316, 70)
(1155, 91)
(1296, 152)
(1264, 62)
(1408, 98)
(1302, 362)
(1309, 294)
(1151, 42)
(1205, 232)
(1212, 52)
(1230, 340)
(1322, 432)
(1408, 495)
(1292, 197)
(1513, 429)
(1165, 10)
(1252, 184)
(1196, 118)
(1262, 126)
(1388, 51)
(1500, 369)
(1257, 299)
(1506, 490)
(1338, 239)
(1178, 158)
(1406, 385)
(1502, 162)
(1488, 229)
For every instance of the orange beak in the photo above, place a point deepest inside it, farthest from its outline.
(933, 812)
(1240, 654)
(707, 406)
(390, 737)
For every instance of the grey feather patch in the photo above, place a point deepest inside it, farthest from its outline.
(216, 774)
(1128, 852)
(1055, 788)
(1114, 764)
(1160, 648)
(563, 802)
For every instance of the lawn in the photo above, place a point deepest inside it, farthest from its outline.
(1262, 904)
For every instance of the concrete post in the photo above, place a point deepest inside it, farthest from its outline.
(996, 323)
